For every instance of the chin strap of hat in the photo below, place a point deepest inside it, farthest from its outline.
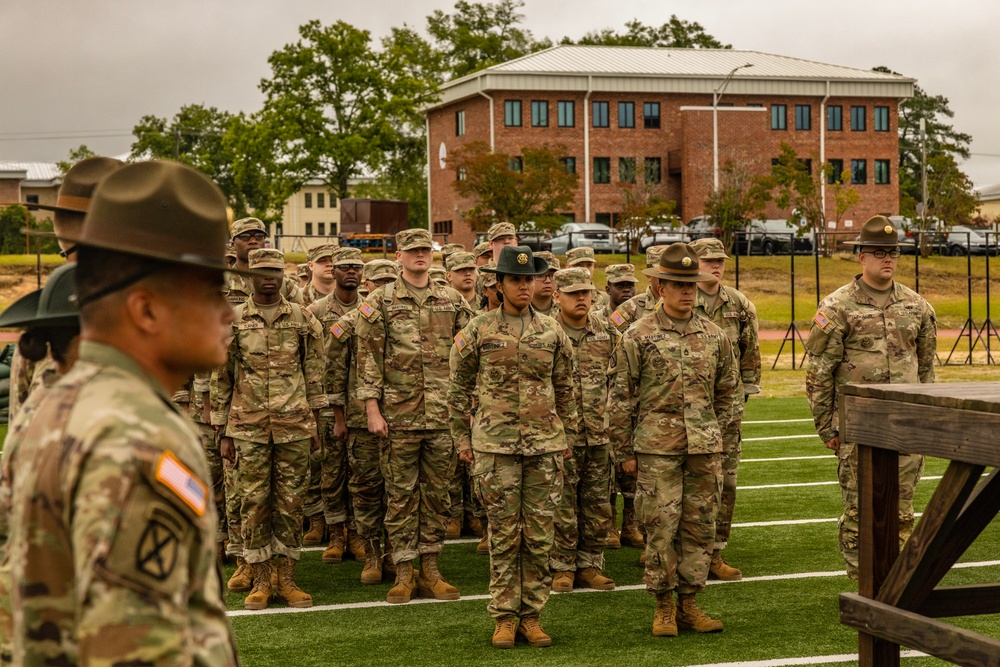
(82, 301)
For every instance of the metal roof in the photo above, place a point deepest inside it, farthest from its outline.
(41, 172)
(989, 192)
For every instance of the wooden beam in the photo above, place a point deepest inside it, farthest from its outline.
(977, 514)
(971, 600)
(957, 645)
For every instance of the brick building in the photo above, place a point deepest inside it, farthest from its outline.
(645, 115)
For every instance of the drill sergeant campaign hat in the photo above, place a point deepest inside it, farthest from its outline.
(320, 251)
(411, 239)
(501, 229)
(379, 268)
(461, 260)
(550, 258)
(518, 261)
(52, 306)
(244, 225)
(573, 280)
(621, 273)
(347, 257)
(266, 258)
(709, 248)
(679, 262)
(878, 230)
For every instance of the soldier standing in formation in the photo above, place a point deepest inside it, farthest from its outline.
(675, 394)
(542, 300)
(584, 258)
(620, 286)
(462, 274)
(320, 264)
(641, 304)
(732, 312)
(871, 331)
(249, 234)
(520, 366)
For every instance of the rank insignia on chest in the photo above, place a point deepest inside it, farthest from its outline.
(460, 341)
(617, 318)
(821, 320)
(366, 309)
(337, 331)
(178, 478)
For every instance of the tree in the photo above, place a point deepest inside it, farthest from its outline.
(534, 190)
(643, 204)
(75, 155)
(741, 197)
(675, 33)
(950, 195)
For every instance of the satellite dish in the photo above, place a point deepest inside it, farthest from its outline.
(443, 156)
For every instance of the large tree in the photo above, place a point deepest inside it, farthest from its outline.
(740, 198)
(75, 155)
(675, 33)
(950, 194)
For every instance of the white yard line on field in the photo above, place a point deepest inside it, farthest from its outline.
(781, 437)
(851, 658)
(777, 421)
(789, 458)
(787, 486)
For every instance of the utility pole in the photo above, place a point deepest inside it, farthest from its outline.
(716, 96)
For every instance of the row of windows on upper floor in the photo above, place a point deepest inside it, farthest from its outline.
(320, 200)
(600, 116)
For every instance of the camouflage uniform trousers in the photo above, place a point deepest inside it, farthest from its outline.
(911, 467)
(272, 480)
(230, 475)
(365, 483)
(210, 441)
(336, 501)
(521, 494)
(464, 501)
(417, 467)
(677, 499)
(732, 449)
(583, 516)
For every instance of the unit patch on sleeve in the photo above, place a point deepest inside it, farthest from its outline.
(617, 318)
(366, 309)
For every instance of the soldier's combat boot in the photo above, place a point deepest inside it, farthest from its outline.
(474, 524)
(614, 541)
(721, 570)
(261, 592)
(242, 579)
(690, 617)
(665, 616)
(355, 545)
(531, 630)
(334, 552)
(454, 529)
(631, 537)
(562, 582)
(288, 590)
(406, 581)
(642, 558)
(372, 572)
(591, 577)
(316, 532)
(483, 548)
(430, 583)
(503, 635)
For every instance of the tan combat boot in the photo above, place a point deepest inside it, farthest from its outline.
(261, 592)
(630, 536)
(614, 540)
(690, 617)
(531, 630)
(483, 548)
(642, 558)
(591, 577)
(503, 635)
(334, 552)
(242, 579)
(430, 583)
(454, 529)
(372, 573)
(316, 532)
(721, 570)
(562, 581)
(665, 616)
(474, 524)
(288, 590)
(355, 545)
(406, 581)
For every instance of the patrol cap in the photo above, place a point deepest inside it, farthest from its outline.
(653, 255)
(550, 258)
(501, 229)
(580, 255)
(347, 257)
(320, 251)
(244, 225)
(449, 248)
(230, 250)
(489, 279)
(518, 261)
(621, 273)
(482, 249)
(379, 268)
(411, 239)
(573, 280)
(79, 183)
(709, 248)
(267, 258)
(679, 262)
(461, 260)
(52, 306)
(437, 274)
(303, 270)
(878, 230)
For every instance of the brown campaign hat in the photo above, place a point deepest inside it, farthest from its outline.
(679, 262)
(877, 231)
(79, 183)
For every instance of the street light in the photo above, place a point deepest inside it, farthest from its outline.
(716, 96)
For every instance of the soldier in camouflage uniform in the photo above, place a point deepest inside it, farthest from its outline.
(499, 235)
(126, 571)
(621, 282)
(447, 250)
(438, 276)
(583, 518)
(406, 329)
(543, 301)
(303, 273)
(675, 394)
(462, 274)
(365, 484)
(520, 365)
(193, 399)
(584, 258)
(265, 399)
(872, 330)
(641, 304)
(483, 253)
(732, 312)
(321, 281)
(249, 234)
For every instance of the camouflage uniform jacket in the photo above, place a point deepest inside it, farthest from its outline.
(239, 288)
(191, 397)
(342, 372)
(634, 310)
(310, 294)
(737, 316)
(328, 309)
(273, 377)
(853, 340)
(675, 392)
(551, 311)
(525, 387)
(27, 376)
(601, 301)
(590, 377)
(403, 352)
(113, 526)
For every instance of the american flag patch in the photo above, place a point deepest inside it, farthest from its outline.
(366, 309)
(337, 331)
(617, 318)
(821, 320)
(460, 341)
(175, 476)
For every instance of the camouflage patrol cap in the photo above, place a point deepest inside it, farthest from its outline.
(550, 258)
(379, 268)
(244, 225)
(230, 250)
(878, 230)
(482, 249)
(621, 273)
(709, 248)
(437, 274)
(52, 306)
(411, 239)
(267, 258)
(320, 251)
(489, 279)
(501, 229)
(573, 280)
(347, 257)
(653, 254)
(450, 248)
(461, 260)
(303, 271)
(580, 255)
(679, 263)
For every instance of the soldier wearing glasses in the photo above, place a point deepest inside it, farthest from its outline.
(872, 330)
(250, 234)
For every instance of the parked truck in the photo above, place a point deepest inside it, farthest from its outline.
(367, 223)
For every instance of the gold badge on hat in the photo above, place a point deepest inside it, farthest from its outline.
(522, 259)
(686, 262)
(887, 229)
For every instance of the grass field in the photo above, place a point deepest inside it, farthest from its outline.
(785, 608)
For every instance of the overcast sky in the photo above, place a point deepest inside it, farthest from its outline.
(86, 71)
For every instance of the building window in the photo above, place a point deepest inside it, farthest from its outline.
(461, 174)
(539, 113)
(651, 115)
(512, 113)
(881, 124)
(857, 119)
(803, 117)
(652, 169)
(881, 172)
(321, 228)
(516, 164)
(279, 229)
(602, 170)
(626, 169)
(31, 199)
(603, 219)
(626, 114)
(836, 172)
(309, 229)
(569, 164)
(442, 227)
(333, 202)
(859, 172)
(459, 123)
(779, 117)
(309, 200)
(755, 105)
(835, 118)
(567, 113)
(600, 112)
(320, 200)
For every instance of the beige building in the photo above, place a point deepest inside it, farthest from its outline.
(31, 182)
(311, 216)
(989, 202)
